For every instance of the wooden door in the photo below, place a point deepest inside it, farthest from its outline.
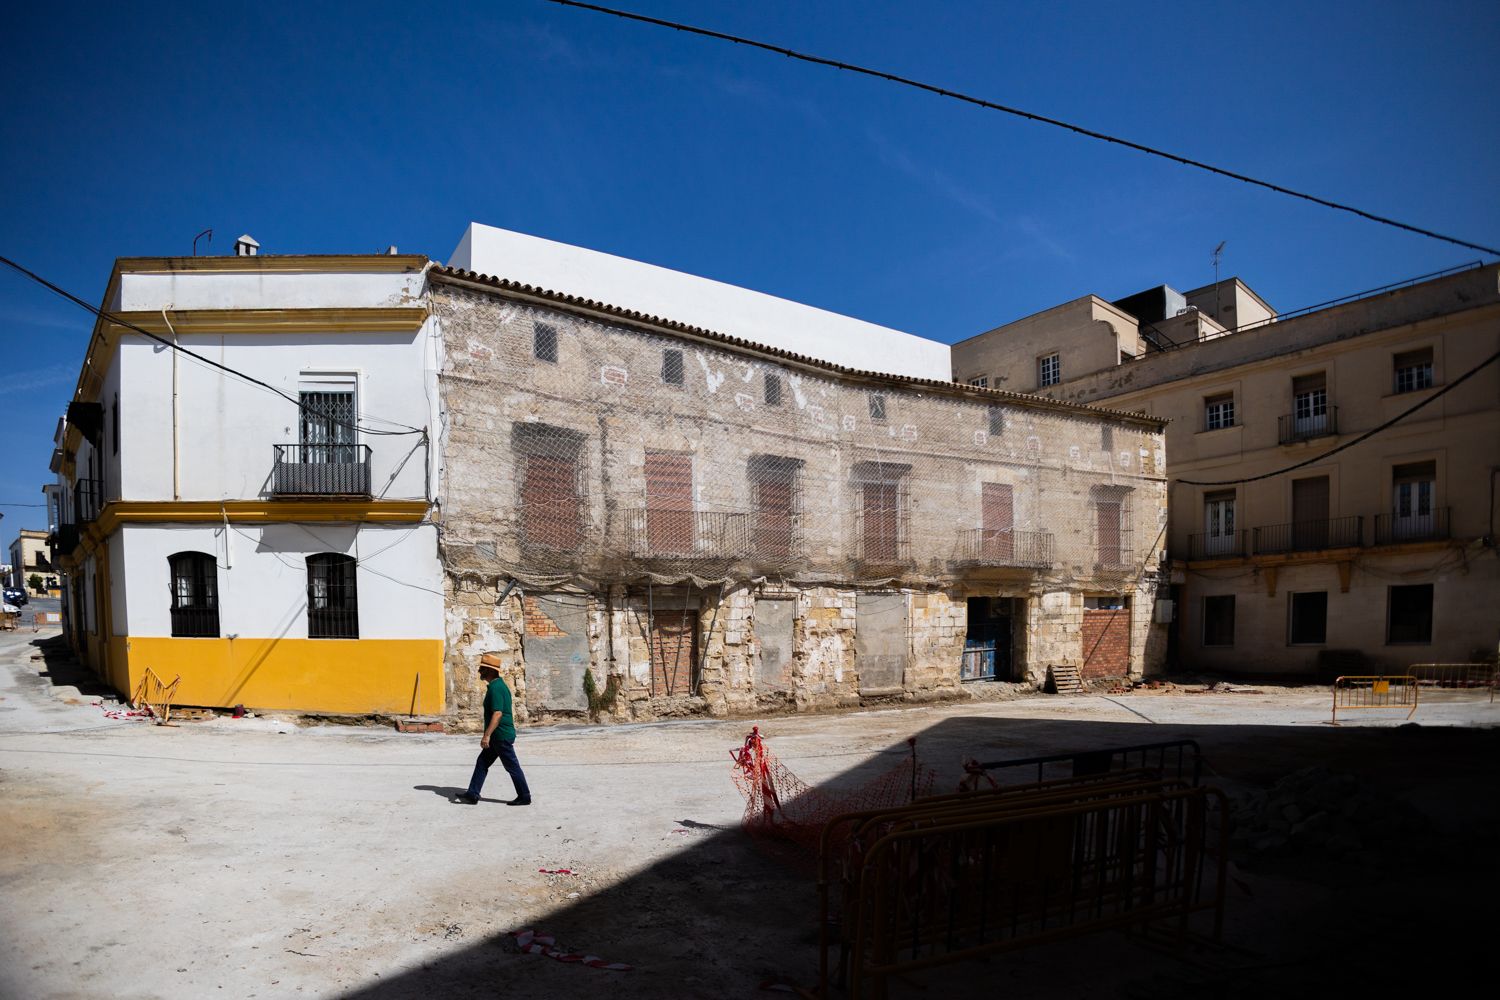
(550, 506)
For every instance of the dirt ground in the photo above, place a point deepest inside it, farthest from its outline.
(256, 858)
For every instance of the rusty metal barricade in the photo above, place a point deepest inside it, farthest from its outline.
(1459, 676)
(1178, 758)
(1367, 692)
(155, 696)
(1014, 873)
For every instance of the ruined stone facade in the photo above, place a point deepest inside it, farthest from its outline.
(710, 527)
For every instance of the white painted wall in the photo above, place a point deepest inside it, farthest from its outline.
(268, 290)
(263, 577)
(713, 305)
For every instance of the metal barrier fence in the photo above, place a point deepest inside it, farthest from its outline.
(1370, 692)
(155, 696)
(955, 877)
(1177, 758)
(1455, 675)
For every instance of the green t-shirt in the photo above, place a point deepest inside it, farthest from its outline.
(497, 699)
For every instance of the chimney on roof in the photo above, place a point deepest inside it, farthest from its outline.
(391, 250)
(246, 246)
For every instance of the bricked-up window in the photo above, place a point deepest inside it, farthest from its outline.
(775, 504)
(1111, 524)
(195, 594)
(1218, 620)
(1409, 614)
(1307, 618)
(1048, 370)
(1106, 637)
(772, 389)
(997, 421)
(332, 598)
(1218, 411)
(544, 342)
(671, 366)
(549, 464)
(877, 406)
(1413, 370)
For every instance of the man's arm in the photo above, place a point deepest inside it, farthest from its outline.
(489, 730)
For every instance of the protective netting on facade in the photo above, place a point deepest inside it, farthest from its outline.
(582, 452)
(778, 804)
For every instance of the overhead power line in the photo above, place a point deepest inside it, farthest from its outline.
(118, 321)
(1030, 116)
(1363, 437)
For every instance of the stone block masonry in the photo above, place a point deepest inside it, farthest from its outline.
(729, 527)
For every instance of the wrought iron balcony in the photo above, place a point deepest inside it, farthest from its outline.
(666, 532)
(1392, 529)
(321, 470)
(992, 547)
(87, 497)
(65, 539)
(1293, 428)
(1230, 546)
(1310, 536)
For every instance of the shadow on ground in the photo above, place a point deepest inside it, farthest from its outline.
(722, 918)
(61, 668)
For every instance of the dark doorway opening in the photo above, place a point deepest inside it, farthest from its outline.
(989, 642)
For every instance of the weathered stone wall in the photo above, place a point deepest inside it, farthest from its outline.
(608, 399)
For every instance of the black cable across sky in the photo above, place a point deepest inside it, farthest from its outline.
(1028, 115)
(58, 290)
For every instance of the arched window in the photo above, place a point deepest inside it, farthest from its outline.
(195, 595)
(332, 602)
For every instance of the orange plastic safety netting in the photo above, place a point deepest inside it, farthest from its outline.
(779, 804)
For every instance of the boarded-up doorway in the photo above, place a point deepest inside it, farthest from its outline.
(556, 648)
(773, 634)
(880, 644)
(1106, 637)
(674, 652)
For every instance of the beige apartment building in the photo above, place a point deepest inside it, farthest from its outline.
(1319, 522)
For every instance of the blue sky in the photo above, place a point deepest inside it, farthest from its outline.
(348, 127)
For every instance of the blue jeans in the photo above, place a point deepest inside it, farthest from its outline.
(505, 750)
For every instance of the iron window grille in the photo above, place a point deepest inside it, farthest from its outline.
(544, 342)
(997, 421)
(882, 519)
(877, 406)
(772, 389)
(1049, 370)
(671, 366)
(775, 504)
(195, 595)
(1113, 540)
(551, 486)
(332, 597)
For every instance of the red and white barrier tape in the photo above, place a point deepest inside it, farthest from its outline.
(533, 943)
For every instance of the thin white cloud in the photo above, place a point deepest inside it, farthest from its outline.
(1034, 229)
(900, 159)
(37, 378)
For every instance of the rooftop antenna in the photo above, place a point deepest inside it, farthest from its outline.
(207, 232)
(1218, 252)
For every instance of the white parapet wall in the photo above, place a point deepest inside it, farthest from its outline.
(713, 305)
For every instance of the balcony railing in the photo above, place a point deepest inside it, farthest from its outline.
(993, 547)
(87, 496)
(65, 539)
(1310, 536)
(1392, 529)
(1293, 428)
(667, 533)
(1230, 546)
(321, 470)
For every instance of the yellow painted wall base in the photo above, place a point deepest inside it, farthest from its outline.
(299, 675)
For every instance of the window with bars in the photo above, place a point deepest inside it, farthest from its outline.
(327, 422)
(1113, 545)
(1218, 411)
(997, 421)
(883, 509)
(671, 366)
(877, 406)
(772, 389)
(332, 597)
(1413, 370)
(544, 342)
(1049, 370)
(195, 595)
(549, 463)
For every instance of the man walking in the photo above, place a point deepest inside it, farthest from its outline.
(499, 739)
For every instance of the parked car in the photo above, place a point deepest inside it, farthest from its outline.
(15, 595)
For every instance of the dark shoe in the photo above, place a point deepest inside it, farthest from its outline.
(465, 798)
(520, 801)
